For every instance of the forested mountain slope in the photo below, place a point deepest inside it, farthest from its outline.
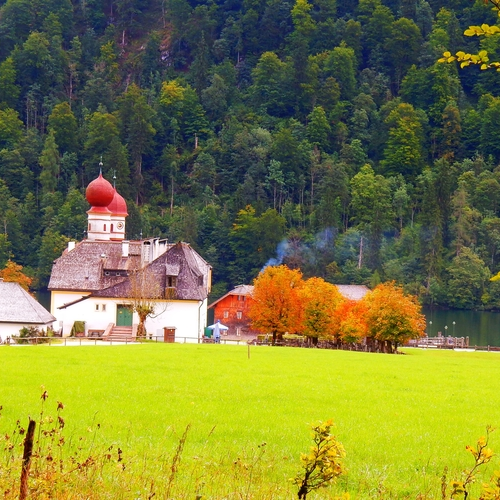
(326, 126)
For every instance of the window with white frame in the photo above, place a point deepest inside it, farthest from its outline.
(226, 314)
(239, 314)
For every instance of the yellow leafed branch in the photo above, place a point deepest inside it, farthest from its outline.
(481, 58)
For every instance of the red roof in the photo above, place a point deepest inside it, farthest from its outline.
(118, 205)
(100, 192)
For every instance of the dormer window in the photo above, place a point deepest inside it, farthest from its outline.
(170, 287)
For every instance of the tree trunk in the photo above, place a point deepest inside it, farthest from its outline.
(141, 328)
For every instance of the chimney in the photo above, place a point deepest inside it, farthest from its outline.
(125, 248)
(146, 251)
(71, 245)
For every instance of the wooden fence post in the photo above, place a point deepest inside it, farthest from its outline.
(28, 450)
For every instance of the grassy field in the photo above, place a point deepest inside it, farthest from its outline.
(401, 419)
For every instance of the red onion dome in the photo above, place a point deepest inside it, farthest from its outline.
(118, 205)
(100, 192)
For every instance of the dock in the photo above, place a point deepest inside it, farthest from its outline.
(440, 342)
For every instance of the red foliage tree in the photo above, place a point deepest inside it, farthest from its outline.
(351, 321)
(12, 272)
(320, 301)
(277, 301)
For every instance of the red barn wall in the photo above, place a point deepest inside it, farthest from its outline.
(227, 309)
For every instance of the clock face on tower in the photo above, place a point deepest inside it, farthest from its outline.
(120, 225)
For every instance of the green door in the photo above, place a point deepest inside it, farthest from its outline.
(123, 316)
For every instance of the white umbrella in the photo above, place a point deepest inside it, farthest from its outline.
(221, 326)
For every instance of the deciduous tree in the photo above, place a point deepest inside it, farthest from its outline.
(320, 301)
(351, 326)
(137, 129)
(9, 90)
(253, 240)
(371, 202)
(63, 123)
(49, 161)
(276, 307)
(467, 279)
(393, 317)
(147, 298)
(12, 272)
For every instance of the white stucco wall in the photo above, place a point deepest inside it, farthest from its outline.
(188, 318)
(10, 329)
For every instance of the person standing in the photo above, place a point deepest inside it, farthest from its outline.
(217, 332)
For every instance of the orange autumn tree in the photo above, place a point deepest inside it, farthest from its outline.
(12, 272)
(351, 322)
(393, 317)
(320, 301)
(276, 307)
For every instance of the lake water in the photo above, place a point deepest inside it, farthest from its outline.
(482, 328)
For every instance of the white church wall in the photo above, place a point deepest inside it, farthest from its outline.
(187, 317)
(91, 311)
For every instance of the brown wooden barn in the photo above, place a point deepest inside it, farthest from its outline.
(232, 311)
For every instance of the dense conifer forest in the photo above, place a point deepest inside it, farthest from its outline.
(321, 132)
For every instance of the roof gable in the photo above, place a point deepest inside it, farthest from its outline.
(180, 261)
(246, 290)
(93, 265)
(18, 306)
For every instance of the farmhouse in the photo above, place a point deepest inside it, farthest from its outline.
(94, 282)
(18, 309)
(232, 311)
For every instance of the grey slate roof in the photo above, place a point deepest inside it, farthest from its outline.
(353, 292)
(85, 269)
(93, 265)
(18, 306)
(238, 290)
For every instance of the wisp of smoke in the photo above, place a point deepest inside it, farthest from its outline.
(281, 252)
(322, 241)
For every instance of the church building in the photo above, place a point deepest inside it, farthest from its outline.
(95, 281)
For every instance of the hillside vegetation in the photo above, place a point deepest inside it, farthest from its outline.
(325, 130)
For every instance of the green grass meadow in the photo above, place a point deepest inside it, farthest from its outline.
(401, 418)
